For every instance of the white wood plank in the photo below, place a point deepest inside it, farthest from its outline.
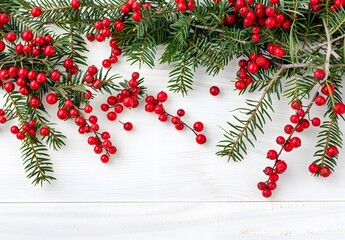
(155, 162)
(199, 221)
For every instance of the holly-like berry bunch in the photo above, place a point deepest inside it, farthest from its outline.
(291, 49)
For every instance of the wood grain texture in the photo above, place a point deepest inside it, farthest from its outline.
(158, 163)
(156, 221)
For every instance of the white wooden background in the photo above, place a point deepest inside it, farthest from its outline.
(162, 185)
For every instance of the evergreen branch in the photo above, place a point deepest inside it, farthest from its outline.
(232, 147)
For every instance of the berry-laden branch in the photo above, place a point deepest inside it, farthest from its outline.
(285, 48)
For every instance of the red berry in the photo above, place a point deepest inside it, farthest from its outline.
(68, 63)
(280, 140)
(268, 171)
(271, 186)
(240, 85)
(111, 116)
(281, 167)
(128, 126)
(55, 75)
(11, 36)
(313, 168)
(272, 154)
(339, 108)
(319, 74)
(296, 104)
(316, 121)
(9, 87)
(62, 114)
(35, 102)
(295, 142)
(198, 126)
(14, 129)
(51, 98)
(162, 96)
(175, 120)
(128, 102)
(274, 177)
(44, 131)
(27, 35)
(214, 90)
(2, 46)
(332, 151)
(328, 89)
(75, 4)
(137, 16)
(261, 186)
(288, 147)
(106, 63)
(163, 117)
(125, 8)
(266, 193)
(36, 12)
(279, 52)
(49, 51)
(104, 158)
(325, 171)
(181, 112)
(20, 135)
(200, 139)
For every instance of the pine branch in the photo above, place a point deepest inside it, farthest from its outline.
(237, 137)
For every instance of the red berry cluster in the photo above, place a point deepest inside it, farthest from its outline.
(156, 105)
(3, 118)
(133, 5)
(103, 29)
(183, 6)
(252, 66)
(70, 66)
(29, 129)
(91, 77)
(34, 46)
(317, 5)
(300, 122)
(126, 98)
(256, 16)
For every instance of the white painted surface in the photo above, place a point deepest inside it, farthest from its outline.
(158, 164)
(173, 221)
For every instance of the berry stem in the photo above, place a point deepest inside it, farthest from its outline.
(185, 124)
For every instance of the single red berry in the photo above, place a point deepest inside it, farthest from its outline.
(27, 35)
(319, 74)
(20, 135)
(91, 37)
(214, 90)
(9, 87)
(296, 104)
(294, 118)
(266, 193)
(180, 112)
(11, 36)
(128, 126)
(98, 149)
(288, 147)
(240, 85)
(128, 102)
(36, 12)
(175, 120)
(332, 151)
(35, 102)
(51, 98)
(268, 171)
(62, 114)
(295, 142)
(75, 4)
(313, 168)
(281, 166)
(163, 117)
(271, 186)
(44, 131)
(118, 108)
(111, 116)
(200, 139)
(55, 75)
(316, 121)
(68, 63)
(280, 140)
(2, 46)
(325, 171)
(274, 177)
(88, 108)
(136, 16)
(261, 186)
(339, 108)
(104, 158)
(272, 154)
(125, 8)
(106, 63)
(14, 129)
(320, 100)
(162, 96)
(198, 126)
